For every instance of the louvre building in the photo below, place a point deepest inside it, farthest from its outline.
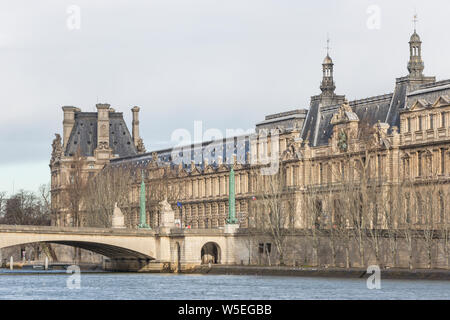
(390, 140)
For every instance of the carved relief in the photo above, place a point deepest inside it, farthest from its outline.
(140, 146)
(103, 130)
(342, 141)
(103, 145)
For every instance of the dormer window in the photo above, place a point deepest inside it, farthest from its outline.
(431, 121)
(443, 119)
(408, 124)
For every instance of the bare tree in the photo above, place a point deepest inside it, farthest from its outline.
(2, 204)
(313, 205)
(392, 209)
(75, 189)
(444, 221)
(25, 208)
(109, 187)
(276, 208)
(162, 184)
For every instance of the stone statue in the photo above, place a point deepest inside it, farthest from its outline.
(140, 146)
(56, 148)
(118, 219)
(167, 214)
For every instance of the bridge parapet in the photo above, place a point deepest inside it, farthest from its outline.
(80, 231)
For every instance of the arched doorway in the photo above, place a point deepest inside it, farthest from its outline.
(210, 253)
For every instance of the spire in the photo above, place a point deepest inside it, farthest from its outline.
(328, 45)
(415, 20)
(327, 86)
(415, 64)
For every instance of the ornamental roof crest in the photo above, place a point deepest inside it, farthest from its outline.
(344, 114)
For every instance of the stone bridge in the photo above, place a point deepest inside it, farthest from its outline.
(135, 249)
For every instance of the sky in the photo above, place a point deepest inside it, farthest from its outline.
(227, 63)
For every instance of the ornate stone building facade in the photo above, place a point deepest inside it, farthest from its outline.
(90, 140)
(317, 148)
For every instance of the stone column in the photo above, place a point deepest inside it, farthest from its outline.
(68, 123)
(135, 125)
(103, 150)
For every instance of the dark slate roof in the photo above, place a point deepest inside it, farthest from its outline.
(429, 92)
(317, 128)
(398, 103)
(384, 108)
(84, 135)
(374, 109)
(311, 122)
(283, 120)
(197, 153)
(325, 129)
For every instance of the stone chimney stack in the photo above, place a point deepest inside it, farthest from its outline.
(68, 122)
(135, 125)
(103, 126)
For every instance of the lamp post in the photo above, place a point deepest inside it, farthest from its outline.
(231, 199)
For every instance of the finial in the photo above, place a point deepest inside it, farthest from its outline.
(328, 44)
(415, 20)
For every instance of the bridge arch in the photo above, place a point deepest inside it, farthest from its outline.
(211, 253)
(107, 250)
(112, 244)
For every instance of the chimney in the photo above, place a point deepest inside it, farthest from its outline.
(135, 125)
(68, 122)
(103, 125)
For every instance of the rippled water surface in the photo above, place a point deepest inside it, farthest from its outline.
(53, 285)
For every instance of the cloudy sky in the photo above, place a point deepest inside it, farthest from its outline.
(225, 62)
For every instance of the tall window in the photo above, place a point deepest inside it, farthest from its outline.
(295, 175)
(321, 173)
(443, 161)
(408, 124)
(441, 207)
(419, 208)
(431, 121)
(419, 119)
(419, 164)
(443, 119)
(408, 208)
(406, 167)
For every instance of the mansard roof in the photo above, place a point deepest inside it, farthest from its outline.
(318, 127)
(84, 135)
(212, 152)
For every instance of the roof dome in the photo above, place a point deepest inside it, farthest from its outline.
(327, 60)
(415, 37)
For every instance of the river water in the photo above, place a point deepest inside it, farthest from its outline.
(130, 286)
